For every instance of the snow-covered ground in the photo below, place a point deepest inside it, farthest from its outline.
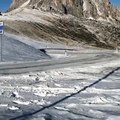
(82, 92)
(39, 94)
(35, 43)
(15, 50)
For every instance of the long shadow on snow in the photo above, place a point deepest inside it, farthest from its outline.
(66, 97)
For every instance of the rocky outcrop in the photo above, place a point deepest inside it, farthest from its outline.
(37, 23)
(94, 9)
(16, 3)
(117, 12)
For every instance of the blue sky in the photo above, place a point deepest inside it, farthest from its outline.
(115, 2)
(4, 4)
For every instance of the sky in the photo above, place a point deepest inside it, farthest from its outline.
(4, 4)
(115, 2)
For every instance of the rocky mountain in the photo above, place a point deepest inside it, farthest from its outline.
(71, 22)
(16, 3)
(97, 9)
(117, 12)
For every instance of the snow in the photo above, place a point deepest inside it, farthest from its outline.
(21, 102)
(100, 101)
(15, 50)
(26, 93)
(34, 43)
(113, 118)
(13, 108)
(91, 18)
(60, 108)
(16, 95)
(73, 105)
(3, 105)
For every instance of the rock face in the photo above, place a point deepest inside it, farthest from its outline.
(33, 18)
(16, 3)
(117, 12)
(94, 9)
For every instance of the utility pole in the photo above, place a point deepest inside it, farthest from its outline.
(1, 49)
(1, 33)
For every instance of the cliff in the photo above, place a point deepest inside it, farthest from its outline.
(93, 9)
(72, 22)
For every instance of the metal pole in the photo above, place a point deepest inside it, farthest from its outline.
(1, 48)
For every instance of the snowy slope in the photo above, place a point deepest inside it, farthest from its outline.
(30, 93)
(14, 50)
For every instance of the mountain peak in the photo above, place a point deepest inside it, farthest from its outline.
(95, 9)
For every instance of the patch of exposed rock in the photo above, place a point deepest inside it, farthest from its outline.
(94, 9)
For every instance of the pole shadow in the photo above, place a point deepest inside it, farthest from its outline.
(66, 97)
